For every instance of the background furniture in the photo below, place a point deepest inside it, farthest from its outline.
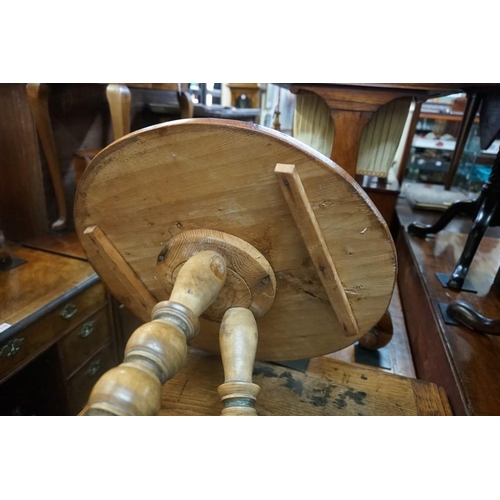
(119, 101)
(484, 212)
(246, 95)
(352, 106)
(57, 334)
(485, 209)
(460, 360)
(461, 120)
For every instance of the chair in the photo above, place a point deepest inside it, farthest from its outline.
(231, 238)
(119, 99)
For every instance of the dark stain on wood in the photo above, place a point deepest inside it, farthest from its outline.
(322, 400)
(266, 371)
(356, 396)
(293, 384)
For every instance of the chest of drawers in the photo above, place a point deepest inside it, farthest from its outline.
(54, 309)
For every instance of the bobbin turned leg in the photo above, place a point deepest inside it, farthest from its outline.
(157, 350)
(238, 343)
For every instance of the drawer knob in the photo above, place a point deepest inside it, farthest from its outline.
(69, 311)
(86, 329)
(94, 367)
(11, 348)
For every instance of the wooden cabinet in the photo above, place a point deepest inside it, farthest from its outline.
(79, 385)
(81, 343)
(60, 336)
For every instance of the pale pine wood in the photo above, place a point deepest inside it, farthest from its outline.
(238, 343)
(218, 174)
(196, 288)
(156, 350)
(38, 97)
(297, 200)
(107, 261)
(134, 387)
(250, 280)
(119, 98)
(328, 387)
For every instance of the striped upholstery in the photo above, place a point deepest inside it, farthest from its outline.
(314, 126)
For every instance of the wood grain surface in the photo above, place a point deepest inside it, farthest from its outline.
(45, 277)
(215, 174)
(328, 387)
(295, 195)
(250, 280)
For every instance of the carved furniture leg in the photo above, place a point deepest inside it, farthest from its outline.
(380, 335)
(468, 208)
(465, 314)
(488, 208)
(38, 96)
(157, 350)
(119, 98)
(238, 344)
(485, 212)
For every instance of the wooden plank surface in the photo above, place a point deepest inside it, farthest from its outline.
(218, 174)
(328, 387)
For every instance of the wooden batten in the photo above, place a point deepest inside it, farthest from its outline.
(108, 261)
(304, 217)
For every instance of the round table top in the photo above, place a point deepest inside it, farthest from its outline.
(158, 182)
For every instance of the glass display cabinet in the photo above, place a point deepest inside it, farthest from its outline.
(431, 151)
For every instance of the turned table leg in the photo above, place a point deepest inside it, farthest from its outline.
(157, 350)
(238, 344)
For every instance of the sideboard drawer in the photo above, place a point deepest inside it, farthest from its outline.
(24, 346)
(69, 314)
(40, 335)
(84, 341)
(81, 383)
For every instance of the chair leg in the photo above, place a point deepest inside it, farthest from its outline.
(468, 208)
(465, 314)
(487, 209)
(238, 344)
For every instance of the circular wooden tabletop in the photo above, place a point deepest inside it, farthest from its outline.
(158, 182)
